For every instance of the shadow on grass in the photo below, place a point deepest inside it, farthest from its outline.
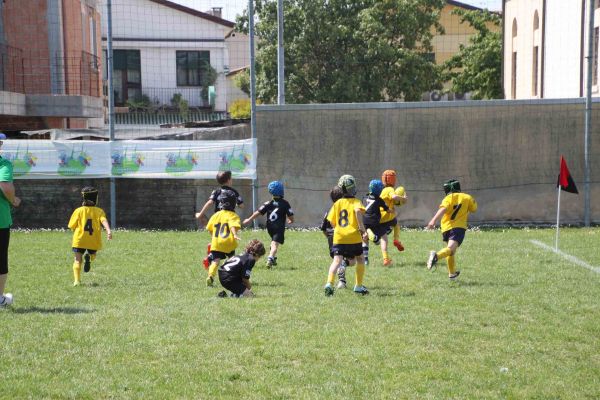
(387, 292)
(54, 310)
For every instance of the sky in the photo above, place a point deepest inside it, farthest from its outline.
(233, 7)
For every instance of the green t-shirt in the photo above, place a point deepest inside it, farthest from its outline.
(6, 175)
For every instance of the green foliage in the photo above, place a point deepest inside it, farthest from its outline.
(240, 109)
(477, 68)
(242, 81)
(181, 104)
(347, 50)
(521, 322)
(141, 103)
(208, 77)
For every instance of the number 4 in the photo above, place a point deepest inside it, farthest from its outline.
(88, 226)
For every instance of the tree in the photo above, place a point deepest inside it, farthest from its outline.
(477, 68)
(242, 81)
(347, 50)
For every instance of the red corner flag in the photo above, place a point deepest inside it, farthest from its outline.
(565, 181)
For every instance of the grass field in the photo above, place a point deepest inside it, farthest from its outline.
(521, 323)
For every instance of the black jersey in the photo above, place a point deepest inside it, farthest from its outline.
(238, 267)
(326, 226)
(215, 195)
(277, 210)
(372, 209)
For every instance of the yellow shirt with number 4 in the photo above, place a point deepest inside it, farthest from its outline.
(86, 224)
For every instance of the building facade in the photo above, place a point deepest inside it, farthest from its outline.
(545, 48)
(50, 74)
(162, 49)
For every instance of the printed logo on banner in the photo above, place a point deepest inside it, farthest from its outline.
(124, 163)
(22, 162)
(180, 163)
(236, 161)
(73, 163)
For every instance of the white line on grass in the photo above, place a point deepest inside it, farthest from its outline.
(569, 257)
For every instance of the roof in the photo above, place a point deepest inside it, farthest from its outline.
(237, 70)
(195, 13)
(462, 5)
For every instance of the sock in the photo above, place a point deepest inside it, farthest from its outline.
(76, 272)
(451, 265)
(212, 270)
(443, 253)
(365, 249)
(360, 274)
(331, 278)
(396, 232)
(385, 254)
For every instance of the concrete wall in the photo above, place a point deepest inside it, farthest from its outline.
(505, 153)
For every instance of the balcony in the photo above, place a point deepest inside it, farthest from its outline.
(35, 86)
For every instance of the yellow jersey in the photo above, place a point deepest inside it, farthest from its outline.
(219, 226)
(342, 217)
(86, 224)
(458, 206)
(387, 195)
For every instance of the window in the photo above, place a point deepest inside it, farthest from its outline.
(514, 75)
(595, 58)
(191, 65)
(127, 76)
(534, 66)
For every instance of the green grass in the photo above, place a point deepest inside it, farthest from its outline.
(521, 323)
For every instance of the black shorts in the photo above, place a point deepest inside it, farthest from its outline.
(4, 240)
(82, 251)
(347, 250)
(220, 255)
(456, 234)
(277, 234)
(233, 284)
(330, 243)
(390, 224)
(378, 229)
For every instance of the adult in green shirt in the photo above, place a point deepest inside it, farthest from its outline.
(7, 199)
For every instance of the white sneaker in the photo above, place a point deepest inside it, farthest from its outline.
(341, 285)
(6, 300)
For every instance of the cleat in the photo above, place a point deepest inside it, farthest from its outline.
(361, 290)
(270, 262)
(77, 283)
(387, 262)
(341, 285)
(86, 263)
(222, 294)
(398, 245)
(210, 281)
(6, 300)
(454, 275)
(432, 261)
(328, 290)
(274, 261)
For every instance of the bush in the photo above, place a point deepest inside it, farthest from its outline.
(240, 109)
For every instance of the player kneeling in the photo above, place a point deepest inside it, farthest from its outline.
(234, 274)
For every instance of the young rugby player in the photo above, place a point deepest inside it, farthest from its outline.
(346, 218)
(234, 274)
(86, 222)
(373, 208)
(454, 210)
(225, 180)
(223, 227)
(278, 211)
(388, 218)
(335, 194)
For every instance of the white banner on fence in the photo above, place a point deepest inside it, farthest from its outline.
(163, 159)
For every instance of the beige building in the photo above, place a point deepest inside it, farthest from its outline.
(545, 48)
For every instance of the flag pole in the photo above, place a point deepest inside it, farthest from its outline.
(557, 219)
